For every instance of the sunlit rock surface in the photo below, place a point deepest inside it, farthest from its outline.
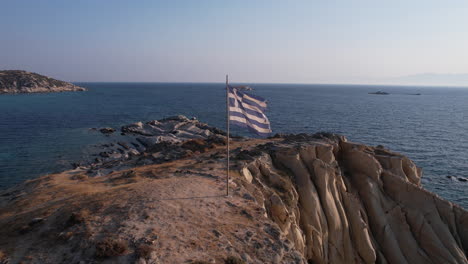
(341, 202)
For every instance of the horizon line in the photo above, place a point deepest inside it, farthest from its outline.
(292, 83)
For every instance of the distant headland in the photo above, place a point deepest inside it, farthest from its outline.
(16, 81)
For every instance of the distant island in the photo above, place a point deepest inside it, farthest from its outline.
(16, 81)
(385, 93)
(380, 93)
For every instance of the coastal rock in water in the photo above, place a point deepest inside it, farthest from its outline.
(14, 81)
(174, 130)
(177, 127)
(107, 130)
(158, 140)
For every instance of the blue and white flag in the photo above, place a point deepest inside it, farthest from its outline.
(246, 110)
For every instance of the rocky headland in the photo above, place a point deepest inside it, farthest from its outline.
(15, 81)
(158, 196)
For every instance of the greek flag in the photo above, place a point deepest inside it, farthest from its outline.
(246, 110)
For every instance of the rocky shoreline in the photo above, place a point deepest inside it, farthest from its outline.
(153, 142)
(159, 197)
(15, 81)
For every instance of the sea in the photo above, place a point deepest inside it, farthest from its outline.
(45, 133)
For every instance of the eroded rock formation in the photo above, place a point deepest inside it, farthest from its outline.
(341, 202)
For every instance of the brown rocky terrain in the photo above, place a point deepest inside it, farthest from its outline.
(295, 199)
(14, 81)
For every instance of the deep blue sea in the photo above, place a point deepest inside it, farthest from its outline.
(44, 133)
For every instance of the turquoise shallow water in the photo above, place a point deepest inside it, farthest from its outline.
(43, 133)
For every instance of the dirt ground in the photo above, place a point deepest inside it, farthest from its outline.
(176, 212)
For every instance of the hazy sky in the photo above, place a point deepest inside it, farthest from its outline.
(254, 41)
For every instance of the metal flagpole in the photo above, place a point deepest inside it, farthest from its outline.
(227, 143)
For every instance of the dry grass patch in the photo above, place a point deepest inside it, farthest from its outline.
(233, 260)
(78, 218)
(79, 177)
(144, 250)
(110, 247)
(3, 257)
(126, 177)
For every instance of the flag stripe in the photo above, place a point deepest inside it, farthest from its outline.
(262, 123)
(249, 111)
(241, 124)
(257, 98)
(246, 110)
(248, 102)
(232, 102)
(249, 124)
(258, 117)
(249, 99)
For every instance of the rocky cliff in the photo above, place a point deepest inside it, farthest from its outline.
(342, 202)
(27, 82)
(295, 199)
